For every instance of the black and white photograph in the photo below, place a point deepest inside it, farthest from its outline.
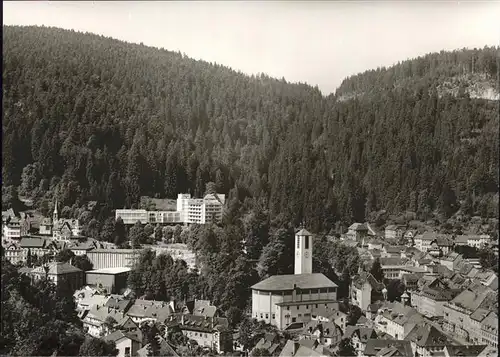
(250, 178)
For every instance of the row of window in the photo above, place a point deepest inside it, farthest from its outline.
(196, 334)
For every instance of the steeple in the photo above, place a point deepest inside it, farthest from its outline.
(55, 216)
(303, 252)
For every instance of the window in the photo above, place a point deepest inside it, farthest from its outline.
(288, 307)
(307, 306)
(127, 351)
(274, 316)
(267, 316)
(300, 315)
(316, 306)
(261, 316)
(298, 307)
(307, 242)
(298, 242)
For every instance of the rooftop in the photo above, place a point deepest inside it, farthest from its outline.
(110, 271)
(292, 281)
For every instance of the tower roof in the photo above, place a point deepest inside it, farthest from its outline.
(303, 232)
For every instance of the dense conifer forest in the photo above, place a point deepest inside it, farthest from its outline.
(87, 117)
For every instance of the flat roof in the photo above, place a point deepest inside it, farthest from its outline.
(110, 270)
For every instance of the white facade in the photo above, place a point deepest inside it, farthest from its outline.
(283, 308)
(189, 211)
(11, 233)
(303, 252)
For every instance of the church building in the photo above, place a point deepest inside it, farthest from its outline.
(59, 228)
(281, 300)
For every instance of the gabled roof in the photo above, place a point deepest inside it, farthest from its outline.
(118, 304)
(374, 346)
(465, 351)
(363, 333)
(57, 268)
(470, 300)
(365, 277)
(291, 281)
(426, 335)
(303, 232)
(392, 261)
(358, 227)
(197, 323)
(33, 242)
(118, 335)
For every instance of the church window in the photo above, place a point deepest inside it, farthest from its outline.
(307, 242)
(274, 316)
(267, 316)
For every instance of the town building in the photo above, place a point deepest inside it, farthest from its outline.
(388, 347)
(127, 343)
(365, 289)
(60, 229)
(426, 340)
(357, 232)
(431, 298)
(281, 300)
(359, 337)
(324, 332)
(473, 240)
(393, 231)
(189, 211)
(113, 280)
(397, 320)
(61, 274)
(112, 258)
(212, 332)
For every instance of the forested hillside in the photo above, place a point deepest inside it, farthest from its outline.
(91, 118)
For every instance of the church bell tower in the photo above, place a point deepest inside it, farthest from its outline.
(303, 252)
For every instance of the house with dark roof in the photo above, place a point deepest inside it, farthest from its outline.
(442, 245)
(431, 298)
(325, 332)
(127, 343)
(425, 339)
(461, 317)
(281, 300)
(61, 274)
(451, 260)
(364, 290)
(201, 308)
(359, 337)
(393, 251)
(394, 231)
(468, 351)
(165, 349)
(397, 320)
(149, 310)
(357, 232)
(212, 332)
(270, 342)
(387, 347)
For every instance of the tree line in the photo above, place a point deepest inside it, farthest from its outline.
(87, 117)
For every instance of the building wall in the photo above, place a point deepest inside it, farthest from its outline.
(125, 343)
(131, 216)
(427, 306)
(361, 297)
(111, 258)
(204, 339)
(107, 281)
(264, 306)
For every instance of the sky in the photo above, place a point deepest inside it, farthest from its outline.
(314, 42)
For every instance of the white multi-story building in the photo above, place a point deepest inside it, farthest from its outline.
(189, 211)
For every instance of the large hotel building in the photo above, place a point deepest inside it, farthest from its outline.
(189, 211)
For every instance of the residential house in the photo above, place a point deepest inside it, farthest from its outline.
(37, 246)
(431, 298)
(423, 241)
(11, 229)
(325, 332)
(467, 351)
(87, 297)
(375, 244)
(119, 303)
(357, 232)
(359, 337)
(270, 342)
(394, 231)
(397, 320)
(410, 280)
(457, 313)
(150, 310)
(364, 290)
(388, 347)
(206, 331)
(201, 308)
(165, 349)
(94, 321)
(425, 339)
(443, 244)
(303, 348)
(410, 234)
(489, 329)
(61, 274)
(326, 314)
(392, 251)
(14, 253)
(451, 260)
(473, 240)
(127, 343)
